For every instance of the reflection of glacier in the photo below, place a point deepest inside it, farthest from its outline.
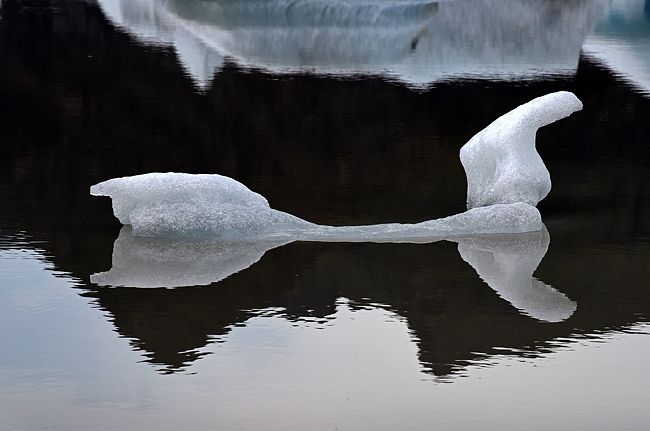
(622, 41)
(415, 41)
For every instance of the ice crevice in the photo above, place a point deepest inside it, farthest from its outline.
(506, 178)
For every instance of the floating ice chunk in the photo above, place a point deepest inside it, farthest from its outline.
(156, 188)
(501, 162)
(236, 226)
(156, 262)
(181, 205)
(506, 264)
(173, 205)
(506, 177)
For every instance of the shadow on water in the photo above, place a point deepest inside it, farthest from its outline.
(94, 103)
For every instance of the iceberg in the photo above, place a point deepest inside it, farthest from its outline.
(211, 206)
(187, 230)
(506, 177)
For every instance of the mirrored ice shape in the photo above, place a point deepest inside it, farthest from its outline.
(507, 262)
(155, 262)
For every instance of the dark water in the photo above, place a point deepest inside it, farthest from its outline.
(317, 335)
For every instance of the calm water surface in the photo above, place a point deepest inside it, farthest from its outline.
(346, 113)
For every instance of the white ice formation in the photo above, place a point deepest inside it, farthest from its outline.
(182, 229)
(418, 42)
(195, 206)
(501, 162)
(506, 177)
(176, 205)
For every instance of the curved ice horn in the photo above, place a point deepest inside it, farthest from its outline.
(501, 162)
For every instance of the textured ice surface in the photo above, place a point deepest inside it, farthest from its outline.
(175, 205)
(507, 262)
(415, 41)
(501, 162)
(186, 205)
(505, 175)
(129, 194)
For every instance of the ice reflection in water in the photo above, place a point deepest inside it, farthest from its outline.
(418, 42)
(152, 262)
(505, 262)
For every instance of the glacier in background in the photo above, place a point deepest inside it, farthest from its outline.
(417, 42)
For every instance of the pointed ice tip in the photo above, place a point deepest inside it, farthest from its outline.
(501, 162)
(549, 108)
(95, 190)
